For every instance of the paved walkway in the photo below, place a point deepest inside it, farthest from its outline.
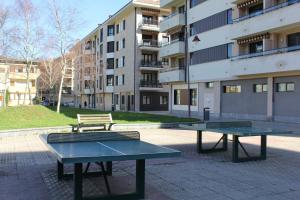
(27, 171)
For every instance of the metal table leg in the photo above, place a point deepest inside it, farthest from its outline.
(78, 181)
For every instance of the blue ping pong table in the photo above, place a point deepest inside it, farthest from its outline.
(237, 129)
(86, 148)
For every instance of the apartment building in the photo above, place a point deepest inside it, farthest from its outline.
(125, 61)
(13, 81)
(241, 58)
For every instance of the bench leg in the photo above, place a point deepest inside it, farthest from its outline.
(60, 170)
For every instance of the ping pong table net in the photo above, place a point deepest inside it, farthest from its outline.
(90, 137)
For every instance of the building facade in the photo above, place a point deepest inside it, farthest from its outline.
(118, 63)
(13, 80)
(240, 58)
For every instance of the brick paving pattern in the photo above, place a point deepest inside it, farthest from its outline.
(28, 171)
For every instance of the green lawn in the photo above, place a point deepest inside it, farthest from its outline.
(39, 116)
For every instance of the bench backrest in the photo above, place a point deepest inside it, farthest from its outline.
(94, 119)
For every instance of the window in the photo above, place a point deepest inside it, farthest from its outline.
(209, 85)
(110, 47)
(256, 47)
(101, 50)
(293, 39)
(181, 9)
(211, 54)
(285, 87)
(117, 63)
(124, 25)
(100, 82)
(256, 9)
(123, 79)
(212, 22)
(110, 63)
(176, 97)
(194, 3)
(117, 80)
(118, 28)
(116, 99)
(110, 30)
(110, 80)
(123, 61)
(193, 97)
(229, 50)
(117, 46)
(146, 100)
(232, 89)
(32, 83)
(101, 35)
(163, 100)
(12, 83)
(260, 88)
(123, 99)
(123, 43)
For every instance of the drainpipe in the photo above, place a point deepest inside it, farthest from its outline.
(187, 71)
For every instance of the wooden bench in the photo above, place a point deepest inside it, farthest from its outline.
(96, 121)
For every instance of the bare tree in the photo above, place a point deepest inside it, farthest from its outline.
(4, 13)
(64, 24)
(27, 38)
(50, 74)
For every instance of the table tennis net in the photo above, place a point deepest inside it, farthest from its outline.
(95, 136)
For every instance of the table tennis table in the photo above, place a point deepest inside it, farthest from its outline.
(237, 129)
(100, 147)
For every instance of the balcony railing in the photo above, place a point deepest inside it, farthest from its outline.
(149, 43)
(171, 16)
(266, 53)
(151, 84)
(172, 42)
(267, 10)
(149, 22)
(170, 69)
(153, 64)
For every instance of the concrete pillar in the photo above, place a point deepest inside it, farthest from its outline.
(270, 99)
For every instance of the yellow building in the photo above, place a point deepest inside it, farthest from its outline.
(13, 78)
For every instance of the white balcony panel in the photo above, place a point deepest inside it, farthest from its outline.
(110, 71)
(110, 38)
(172, 22)
(150, 27)
(219, 70)
(266, 64)
(172, 76)
(173, 49)
(211, 38)
(110, 55)
(88, 91)
(87, 78)
(272, 21)
(109, 89)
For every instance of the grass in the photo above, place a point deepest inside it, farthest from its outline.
(39, 116)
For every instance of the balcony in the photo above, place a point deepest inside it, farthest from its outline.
(175, 47)
(173, 21)
(149, 45)
(109, 89)
(151, 65)
(173, 74)
(271, 61)
(150, 85)
(22, 75)
(267, 10)
(88, 91)
(282, 16)
(149, 25)
(87, 78)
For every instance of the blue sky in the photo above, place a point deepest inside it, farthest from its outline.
(90, 12)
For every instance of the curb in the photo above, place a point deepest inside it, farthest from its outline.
(116, 127)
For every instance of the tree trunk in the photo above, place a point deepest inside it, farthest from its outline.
(59, 94)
